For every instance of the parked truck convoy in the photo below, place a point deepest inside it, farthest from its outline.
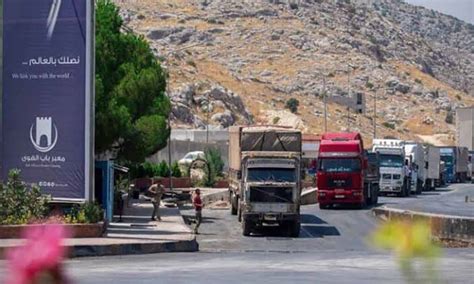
(415, 157)
(392, 174)
(343, 176)
(265, 177)
(456, 161)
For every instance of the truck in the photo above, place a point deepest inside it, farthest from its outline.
(432, 167)
(265, 177)
(415, 156)
(343, 176)
(456, 163)
(392, 173)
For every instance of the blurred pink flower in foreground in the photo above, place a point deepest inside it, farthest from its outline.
(40, 256)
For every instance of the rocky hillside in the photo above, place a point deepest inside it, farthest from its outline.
(238, 62)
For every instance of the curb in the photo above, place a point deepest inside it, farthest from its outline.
(126, 249)
(456, 228)
(309, 196)
(133, 248)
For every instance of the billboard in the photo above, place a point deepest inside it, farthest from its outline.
(46, 98)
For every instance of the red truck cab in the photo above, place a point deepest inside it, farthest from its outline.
(342, 164)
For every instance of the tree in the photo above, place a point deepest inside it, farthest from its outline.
(175, 170)
(292, 104)
(163, 169)
(131, 105)
(215, 166)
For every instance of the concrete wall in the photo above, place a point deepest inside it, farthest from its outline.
(465, 127)
(199, 135)
(180, 148)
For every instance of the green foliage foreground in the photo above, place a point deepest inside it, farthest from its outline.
(131, 105)
(19, 203)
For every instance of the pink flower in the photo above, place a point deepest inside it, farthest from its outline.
(42, 252)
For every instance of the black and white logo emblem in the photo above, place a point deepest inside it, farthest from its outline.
(43, 129)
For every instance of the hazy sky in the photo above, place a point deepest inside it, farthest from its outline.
(462, 9)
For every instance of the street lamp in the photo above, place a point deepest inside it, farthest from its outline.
(170, 174)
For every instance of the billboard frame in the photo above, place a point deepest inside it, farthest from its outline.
(89, 98)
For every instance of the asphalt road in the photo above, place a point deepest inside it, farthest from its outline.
(448, 201)
(333, 248)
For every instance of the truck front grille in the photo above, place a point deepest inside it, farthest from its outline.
(271, 194)
(339, 182)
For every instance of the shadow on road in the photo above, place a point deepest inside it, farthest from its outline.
(311, 219)
(309, 231)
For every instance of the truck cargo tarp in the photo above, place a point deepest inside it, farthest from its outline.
(277, 141)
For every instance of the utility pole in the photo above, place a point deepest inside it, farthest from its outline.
(375, 114)
(170, 176)
(350, 98)
(325, 105)
(207, 120)
(168, 79)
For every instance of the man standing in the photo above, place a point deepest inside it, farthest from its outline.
(156, 192)
(197, 203)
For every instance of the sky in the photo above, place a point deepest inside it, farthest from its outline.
(462, 9)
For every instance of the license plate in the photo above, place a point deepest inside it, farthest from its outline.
(340, 196)
(270, 218)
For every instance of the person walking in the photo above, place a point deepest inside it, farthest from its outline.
(156, 192)
(197, 204)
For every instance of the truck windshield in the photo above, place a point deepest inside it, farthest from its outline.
(448, 160)
(271, 174)
(339, 165)
(372, 158)
(391, 161)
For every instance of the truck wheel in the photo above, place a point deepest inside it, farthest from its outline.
(239, 212)
(294, 229)
(323, 207)
(375, 196)
(246, 227)
(419, 188)
(404, 191)
(233, 201)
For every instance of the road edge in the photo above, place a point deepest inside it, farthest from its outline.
(133, 248)
(456, 228)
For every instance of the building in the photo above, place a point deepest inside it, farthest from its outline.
(354, 101)
(465, 127)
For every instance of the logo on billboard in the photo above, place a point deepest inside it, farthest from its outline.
(43, 129)
(53, 17)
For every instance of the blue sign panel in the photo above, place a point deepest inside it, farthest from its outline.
(46, 94)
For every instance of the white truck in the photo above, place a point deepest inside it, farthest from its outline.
(265, 177)
(415, 156)
(432, 167)
(392, 173)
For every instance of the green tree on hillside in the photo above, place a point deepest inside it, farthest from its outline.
(131, 105)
